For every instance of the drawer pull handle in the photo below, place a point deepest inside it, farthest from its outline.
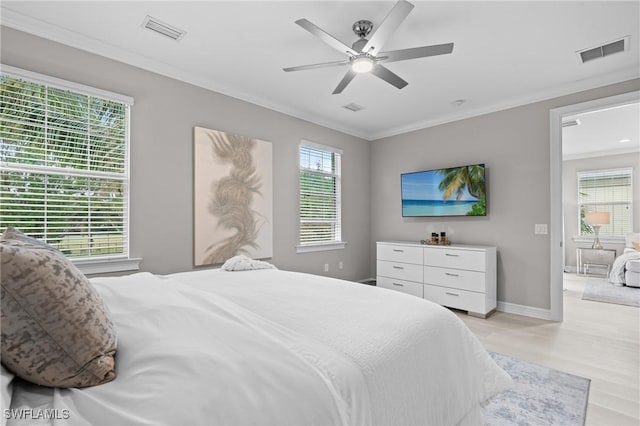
(452, 255)
(398, 267)
(398, 250)
(398, 284)
(452, 294)
(451, 275)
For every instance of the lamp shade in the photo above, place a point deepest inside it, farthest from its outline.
(597, 218)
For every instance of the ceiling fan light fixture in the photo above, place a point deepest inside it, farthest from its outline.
(362, 64)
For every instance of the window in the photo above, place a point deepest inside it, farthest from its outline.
(64, 169)
(606, 191)
(320, 198)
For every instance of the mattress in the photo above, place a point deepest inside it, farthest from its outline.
(276, 347)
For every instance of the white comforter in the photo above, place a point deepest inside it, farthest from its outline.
(422, 365)
(275, 347)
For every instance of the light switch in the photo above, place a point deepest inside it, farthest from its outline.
(541, 229)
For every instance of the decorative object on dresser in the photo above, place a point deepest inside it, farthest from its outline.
(458, 276)
(596, 220)
(436, 240)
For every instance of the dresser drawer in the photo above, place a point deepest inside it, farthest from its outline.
(405, 254)
(459, 299)
(470, 260)
(455, 278)
(414, 289)
(398, 270)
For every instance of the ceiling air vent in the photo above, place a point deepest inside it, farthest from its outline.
(353, 107)
(604, 50)
(162, 28)
(570, 123)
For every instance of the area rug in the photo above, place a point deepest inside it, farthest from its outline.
(540, 396)
(600, 290)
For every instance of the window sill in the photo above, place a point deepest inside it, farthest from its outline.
(107, 265)
(309, 248)
(603, 240)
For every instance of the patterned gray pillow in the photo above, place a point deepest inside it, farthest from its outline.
(56, 330)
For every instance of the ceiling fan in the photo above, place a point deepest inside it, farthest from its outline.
(366, 55)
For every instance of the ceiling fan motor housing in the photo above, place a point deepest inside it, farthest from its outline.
(362, 28)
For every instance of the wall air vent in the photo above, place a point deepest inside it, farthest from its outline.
(570, 123)
(604, 50)
(353, 107)
(162, 28)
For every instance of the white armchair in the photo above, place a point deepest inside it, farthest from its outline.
(626, 268)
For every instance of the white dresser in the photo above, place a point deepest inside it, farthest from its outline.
(458, 276)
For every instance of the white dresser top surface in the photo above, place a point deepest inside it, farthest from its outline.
(451, 246)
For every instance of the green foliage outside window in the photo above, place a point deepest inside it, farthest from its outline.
(63, 167)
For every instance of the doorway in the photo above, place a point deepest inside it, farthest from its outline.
(557, 243)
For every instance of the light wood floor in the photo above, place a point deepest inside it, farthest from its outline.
(597, 340)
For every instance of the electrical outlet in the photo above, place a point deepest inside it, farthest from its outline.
(326, 267)
(340, 265)
(540, 229)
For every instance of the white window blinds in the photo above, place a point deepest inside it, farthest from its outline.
(607, 191)
(64, 166)
(320, 195)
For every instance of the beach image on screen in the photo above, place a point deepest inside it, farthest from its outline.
(456, 191)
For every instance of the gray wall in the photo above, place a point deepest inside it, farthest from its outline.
(515, 146)
(162, 122)
(570, 169)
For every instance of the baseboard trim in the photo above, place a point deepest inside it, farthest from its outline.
(527, 311)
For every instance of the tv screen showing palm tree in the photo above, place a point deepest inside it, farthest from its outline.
(455, 191)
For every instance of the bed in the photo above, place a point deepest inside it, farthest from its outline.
(272, 347)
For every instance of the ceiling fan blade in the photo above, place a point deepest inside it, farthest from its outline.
(415, 52)
(388, 26)
(388, 76)
(325, 36)
(345, 80)
(314, 66)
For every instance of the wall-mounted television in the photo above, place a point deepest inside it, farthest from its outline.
(454, 191)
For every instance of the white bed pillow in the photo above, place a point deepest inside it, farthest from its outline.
(244, 263)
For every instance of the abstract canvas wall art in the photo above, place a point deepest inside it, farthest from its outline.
(233, 197)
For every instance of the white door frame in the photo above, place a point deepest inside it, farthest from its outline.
(556, 234)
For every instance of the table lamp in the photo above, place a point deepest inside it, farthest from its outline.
(597, 219)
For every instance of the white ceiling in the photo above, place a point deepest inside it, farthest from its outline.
(505, 54)
(604, 132)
